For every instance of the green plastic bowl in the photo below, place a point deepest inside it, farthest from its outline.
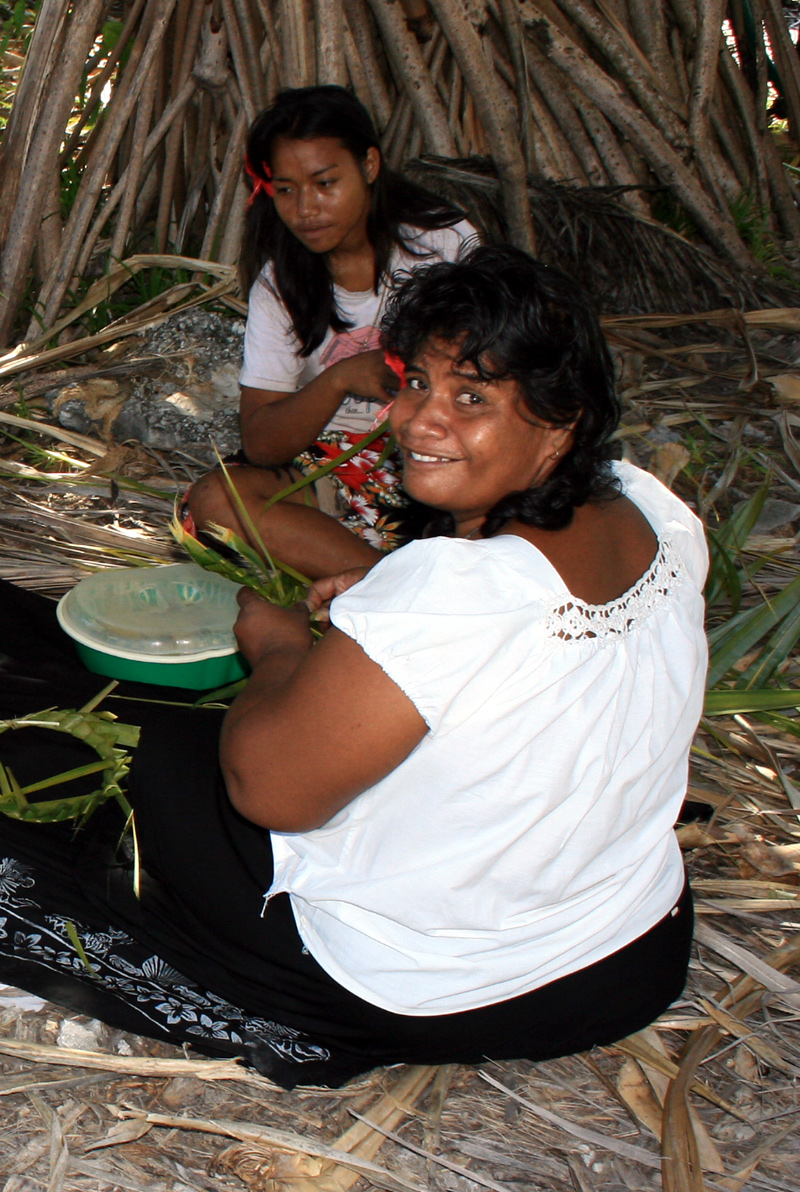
(170, 625)
(199, 675)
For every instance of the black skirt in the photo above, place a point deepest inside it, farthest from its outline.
(196, 957)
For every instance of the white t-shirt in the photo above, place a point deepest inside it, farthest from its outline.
(272, 357)
(530, 833)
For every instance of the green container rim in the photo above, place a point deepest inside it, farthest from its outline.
(200, 674)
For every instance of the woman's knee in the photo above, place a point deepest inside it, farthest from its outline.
(206, 497)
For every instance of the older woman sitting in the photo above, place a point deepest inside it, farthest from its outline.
(451, 832)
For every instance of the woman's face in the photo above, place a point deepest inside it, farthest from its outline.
(466, 442)
(323, 193)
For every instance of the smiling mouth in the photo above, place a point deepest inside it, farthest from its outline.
(419, 458)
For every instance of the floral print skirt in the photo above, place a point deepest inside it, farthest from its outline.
(368, 498)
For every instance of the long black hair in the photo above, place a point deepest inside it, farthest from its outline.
(301, 276)
(514, 318)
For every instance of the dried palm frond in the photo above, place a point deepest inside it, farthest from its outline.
(628, 262)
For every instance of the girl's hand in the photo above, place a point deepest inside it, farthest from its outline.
(322, 591)
(367, 375)
(263, 628)
(277, 426)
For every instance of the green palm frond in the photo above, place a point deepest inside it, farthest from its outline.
(750, 649)
(102, 733)
(254, 565)
(731, 641)
(726, 545)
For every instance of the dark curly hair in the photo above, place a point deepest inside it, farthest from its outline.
(302, 277)
(514, 318)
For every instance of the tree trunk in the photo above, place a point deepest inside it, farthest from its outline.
(647, 97)
(45, 129)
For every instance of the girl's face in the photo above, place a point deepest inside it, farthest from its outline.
(466, 443)
(323, 193)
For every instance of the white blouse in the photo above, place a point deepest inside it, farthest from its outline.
(530, 833)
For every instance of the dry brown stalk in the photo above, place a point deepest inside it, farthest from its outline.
(549, 83)
(270, 49)
(550, 152)
(44, 131)
(246, 66)
(515, 41)
(397, 132)
(733, 151)
(343, 1162)
(356, 74)
(358, 21)
(184, 53)
(229, 202)
(71, 1057)
(661, 157)
(143, 55)
(704, 72)
(48, 240)
(409, 65)
(145, 316)
(454, 106)
(168, 120)
(298, 50)
(329, 25)
(787, 60)
(608, 146)
(598, 91)
(770, 175)
(762, 75)
(293, 1152)
(249, 25)
(640, 1047)
(144, 113)
(434, 54)
(648, 26)
(634, 70)
(682, 1169)
(36, 77)
(636, 1153)
(488, 100)
(686, 13)
(100, 82)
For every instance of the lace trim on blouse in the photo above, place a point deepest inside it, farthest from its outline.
(575, 620)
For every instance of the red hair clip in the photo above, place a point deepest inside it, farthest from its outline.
(259, 183)
(396, 365)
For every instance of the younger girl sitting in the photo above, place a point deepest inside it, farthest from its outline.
(328, 227)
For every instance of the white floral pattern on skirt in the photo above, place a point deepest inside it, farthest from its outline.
(121, 966)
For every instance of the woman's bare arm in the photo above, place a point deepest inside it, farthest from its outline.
(278, 426)
(314, 727)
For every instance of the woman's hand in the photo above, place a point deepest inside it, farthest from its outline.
(263, 628)
(322, 591)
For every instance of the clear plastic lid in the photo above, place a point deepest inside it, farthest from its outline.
(176, 610)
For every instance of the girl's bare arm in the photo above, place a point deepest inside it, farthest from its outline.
(278, 426)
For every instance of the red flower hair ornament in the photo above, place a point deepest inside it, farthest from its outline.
(397, 366)
(259, 184)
